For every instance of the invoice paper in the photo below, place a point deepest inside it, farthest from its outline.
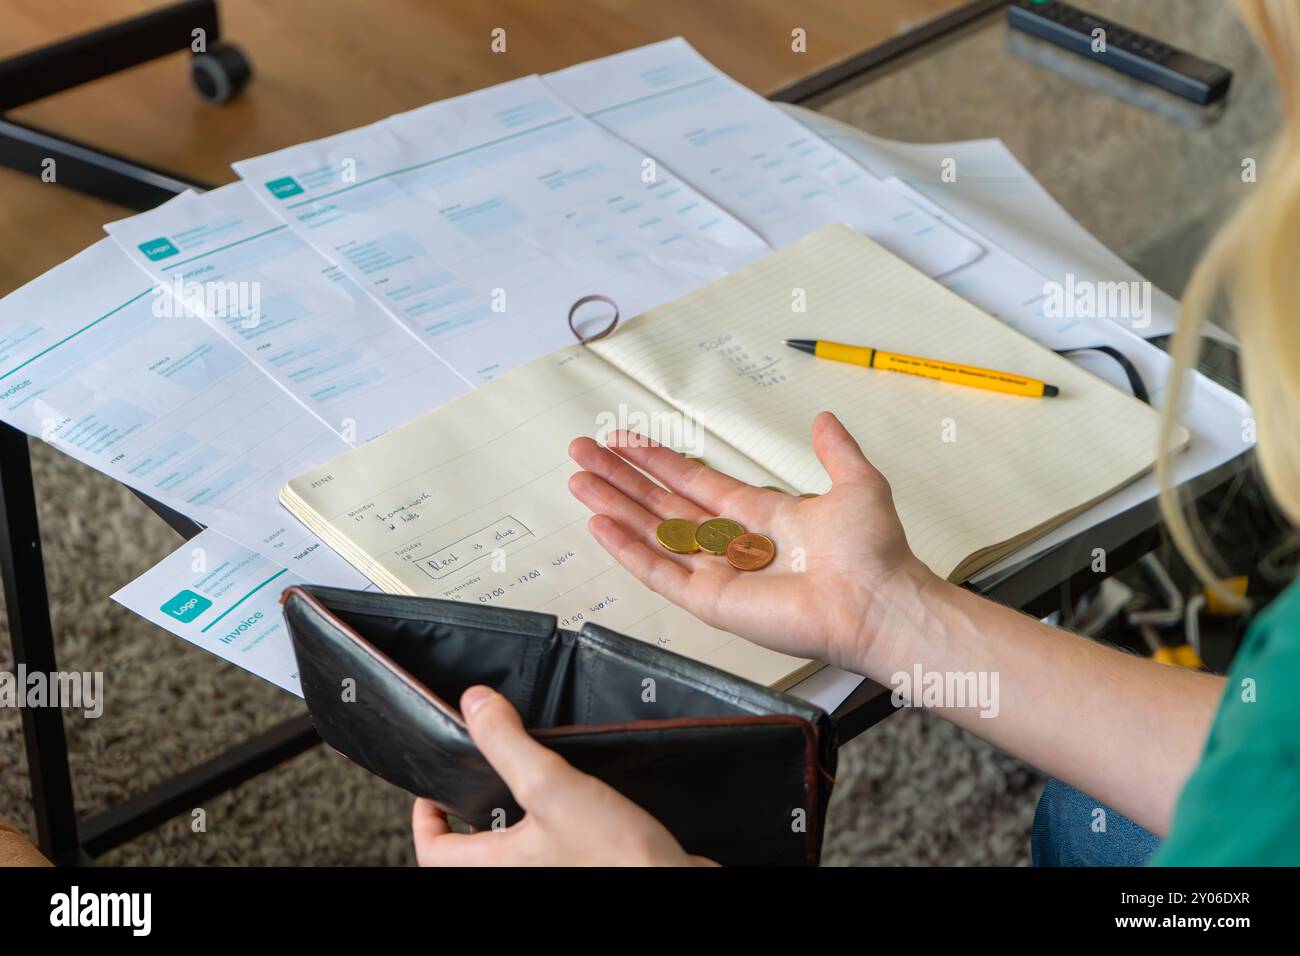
(226, 258)
(224, 598)
(480, 221)
(734, 146)
(162, 404)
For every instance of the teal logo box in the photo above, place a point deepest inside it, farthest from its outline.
(159, 248)
(186, 606)
(284, 188)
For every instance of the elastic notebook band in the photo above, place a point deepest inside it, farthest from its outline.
(585, 300)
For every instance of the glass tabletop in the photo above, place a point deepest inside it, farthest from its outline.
(1150, 175)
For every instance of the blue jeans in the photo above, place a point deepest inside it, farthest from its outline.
(1072, 829)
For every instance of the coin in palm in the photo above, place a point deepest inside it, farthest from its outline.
(715, 534)
(751, 552)
(677, 535)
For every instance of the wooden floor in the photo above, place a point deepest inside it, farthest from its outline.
(322, 66)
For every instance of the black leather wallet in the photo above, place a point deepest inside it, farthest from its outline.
(737, 772)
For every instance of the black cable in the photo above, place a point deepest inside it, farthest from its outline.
(1134, 377)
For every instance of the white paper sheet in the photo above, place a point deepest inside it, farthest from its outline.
(224, 598)
(163, 405)
(744, 153)
(996, 196)
(297, 317)
(828, 688)
(479, 221)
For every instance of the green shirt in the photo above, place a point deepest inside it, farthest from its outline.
(1241, 805)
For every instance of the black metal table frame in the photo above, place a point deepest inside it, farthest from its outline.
(137, 186)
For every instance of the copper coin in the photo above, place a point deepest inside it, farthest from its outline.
(750, 552)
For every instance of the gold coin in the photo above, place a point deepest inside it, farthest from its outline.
(751, 552)
(810, 495)
(677, 535)
(715, 534)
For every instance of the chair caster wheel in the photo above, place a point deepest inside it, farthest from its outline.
(220, 74)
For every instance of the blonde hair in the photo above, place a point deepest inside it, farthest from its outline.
(1255, 262)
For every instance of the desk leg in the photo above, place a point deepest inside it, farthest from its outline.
(32, 638)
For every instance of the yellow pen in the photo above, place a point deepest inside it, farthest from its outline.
(990, 379)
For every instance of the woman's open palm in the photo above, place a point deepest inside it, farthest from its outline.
(842, 565)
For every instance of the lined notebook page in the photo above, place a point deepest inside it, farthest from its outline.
(470, 502)
(973, 472)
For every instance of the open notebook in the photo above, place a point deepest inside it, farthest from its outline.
(471, 501)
